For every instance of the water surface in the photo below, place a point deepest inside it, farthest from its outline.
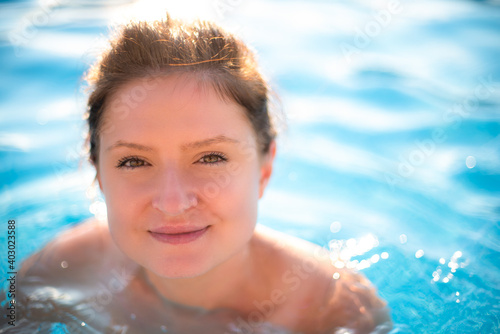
(391, 157)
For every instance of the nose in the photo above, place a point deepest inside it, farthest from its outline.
(173, 196)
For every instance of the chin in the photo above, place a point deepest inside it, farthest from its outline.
(179, 274)
(184, 269)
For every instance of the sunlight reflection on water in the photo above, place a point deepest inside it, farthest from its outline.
(396, 143)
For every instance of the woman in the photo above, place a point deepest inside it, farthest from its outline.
(183, 141)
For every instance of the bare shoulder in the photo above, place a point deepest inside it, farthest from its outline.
(75, 249)
(351, 302)
(318, 297)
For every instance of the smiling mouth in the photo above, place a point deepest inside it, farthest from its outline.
(181, 237)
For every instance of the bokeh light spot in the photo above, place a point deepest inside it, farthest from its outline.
(335, 227)
(470, 161)
(419, 253)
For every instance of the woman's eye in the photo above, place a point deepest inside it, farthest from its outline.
(131, 163)
(212, 159)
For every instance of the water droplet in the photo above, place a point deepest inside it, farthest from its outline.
(336, 276)
(375, 258)
(403, 238)
(470, 161)
(64, 264)
(446, 280)
(335, 227)
(457, 293)
(457, 254)
(384, 255)
(83, 324)
(419, 253)
(458, 300)
(442, 261)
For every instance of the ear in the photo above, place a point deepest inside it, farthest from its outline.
(266, 168)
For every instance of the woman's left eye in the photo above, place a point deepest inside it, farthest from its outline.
(212, 159)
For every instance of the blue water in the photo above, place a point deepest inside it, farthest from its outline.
(391, 156)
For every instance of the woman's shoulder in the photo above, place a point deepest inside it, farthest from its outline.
(79, 249)
(317, 296)
(73, 279)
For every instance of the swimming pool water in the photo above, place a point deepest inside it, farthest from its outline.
(391, 157)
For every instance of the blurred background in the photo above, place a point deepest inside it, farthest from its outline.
(391, 156)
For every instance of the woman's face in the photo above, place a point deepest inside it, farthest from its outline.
(181, 175)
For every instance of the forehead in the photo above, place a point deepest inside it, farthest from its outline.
(179, 104)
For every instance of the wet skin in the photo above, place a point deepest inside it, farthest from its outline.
(182, 173)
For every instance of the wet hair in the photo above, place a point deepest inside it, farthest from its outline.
(151, 49)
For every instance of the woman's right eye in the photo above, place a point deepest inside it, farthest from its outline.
(131, 162)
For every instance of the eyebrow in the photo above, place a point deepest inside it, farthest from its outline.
(196, 144)
(209, 141)
(135, 146)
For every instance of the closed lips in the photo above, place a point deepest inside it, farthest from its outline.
(178, 235)
(173, 230)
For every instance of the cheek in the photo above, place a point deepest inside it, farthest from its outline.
(125, 207)
(124, 202)
(233, 194)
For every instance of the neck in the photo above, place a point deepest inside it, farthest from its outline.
(215, 288)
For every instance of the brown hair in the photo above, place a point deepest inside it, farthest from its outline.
(157, 48)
